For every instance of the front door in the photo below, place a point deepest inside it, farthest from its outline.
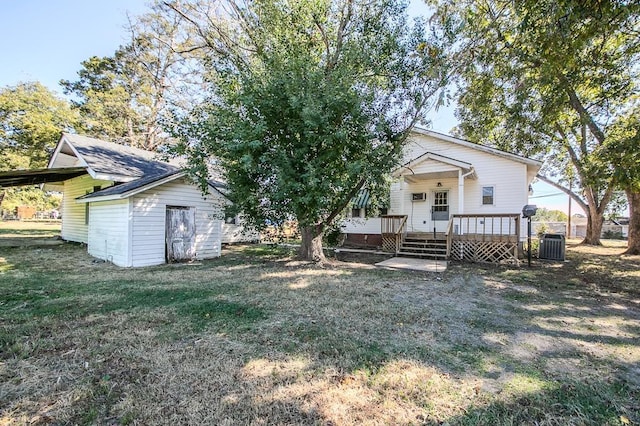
(440, 208)
(181, 234)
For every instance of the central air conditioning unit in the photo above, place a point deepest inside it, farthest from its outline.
(418, 196)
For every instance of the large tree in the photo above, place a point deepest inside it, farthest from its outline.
(623, 150)
(550, 78)
(312, 102)
(31, 121)
(129, 97)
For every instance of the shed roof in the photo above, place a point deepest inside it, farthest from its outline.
(108, 160)
(38, 176)
(137, 186)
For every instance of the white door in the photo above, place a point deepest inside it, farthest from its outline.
(440, 210)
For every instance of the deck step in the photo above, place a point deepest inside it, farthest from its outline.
(424, 255)
(423, 250)
(423, 243)
(439, 236)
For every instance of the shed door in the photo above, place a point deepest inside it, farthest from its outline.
(180, 234)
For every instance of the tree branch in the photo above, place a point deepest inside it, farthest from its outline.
(571, 194)
(575, 102)
(343, 204)
(325, 39)
(344, 21)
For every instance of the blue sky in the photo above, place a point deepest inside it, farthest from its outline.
(45, 40)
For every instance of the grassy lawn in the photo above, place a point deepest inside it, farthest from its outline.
(255, 337)
(29, 233)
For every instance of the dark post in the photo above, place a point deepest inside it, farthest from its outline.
(434, 232)
(529, 242)
(527, 212)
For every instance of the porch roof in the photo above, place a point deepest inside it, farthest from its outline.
(434, 166)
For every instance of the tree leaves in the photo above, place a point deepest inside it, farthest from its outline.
(31, 121)
(550, 79)
(312, 100)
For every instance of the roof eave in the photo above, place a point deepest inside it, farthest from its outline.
(132, 192)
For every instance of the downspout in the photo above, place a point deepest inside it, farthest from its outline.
(461, 178)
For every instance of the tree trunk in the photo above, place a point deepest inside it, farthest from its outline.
(2, 198)
(595, 220)
(633, 241)
(311, 247)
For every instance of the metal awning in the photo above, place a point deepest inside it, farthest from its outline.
(39, 176)
(361, 200)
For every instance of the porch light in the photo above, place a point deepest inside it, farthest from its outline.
(439, 184)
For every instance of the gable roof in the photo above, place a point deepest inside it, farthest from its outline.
(467, 168)
(494, 151)
(107, 160)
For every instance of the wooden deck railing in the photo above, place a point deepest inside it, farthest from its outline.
(393, 231)
(486, 227)
(484, 237)
(449, 236)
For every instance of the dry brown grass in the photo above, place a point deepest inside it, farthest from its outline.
(258, 338)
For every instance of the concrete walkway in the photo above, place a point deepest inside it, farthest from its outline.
(408, 263)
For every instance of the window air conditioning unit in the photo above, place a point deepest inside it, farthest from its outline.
(418, 196)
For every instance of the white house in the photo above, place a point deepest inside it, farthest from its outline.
(131, 208)
(448, 189)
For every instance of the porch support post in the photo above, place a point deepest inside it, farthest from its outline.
(401, 184)
(460, 192)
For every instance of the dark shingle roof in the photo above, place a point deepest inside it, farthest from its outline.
(129, 186)
(139, 183)
(137, 168)
(115, 159)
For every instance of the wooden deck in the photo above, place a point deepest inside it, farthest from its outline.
(492, 238)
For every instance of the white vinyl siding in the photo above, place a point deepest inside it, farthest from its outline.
(507, 177)
(74, 227)
(149, 213)
(109, 231)
(371, 225)
(236, 233)
(419, 212)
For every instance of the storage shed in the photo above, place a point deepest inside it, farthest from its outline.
(132, 208)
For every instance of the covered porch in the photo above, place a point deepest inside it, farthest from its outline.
(429, 190)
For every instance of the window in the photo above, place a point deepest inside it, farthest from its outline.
(86, 205)
(440, 202)
(355, 212)
(86, 213)
(487, 195)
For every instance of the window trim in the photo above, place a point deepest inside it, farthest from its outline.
(493, 195)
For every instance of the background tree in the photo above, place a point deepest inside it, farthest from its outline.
(31, 120)
(550, 79)
(624, 151)
(312, 102)
(545, 215)
(129, 97)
